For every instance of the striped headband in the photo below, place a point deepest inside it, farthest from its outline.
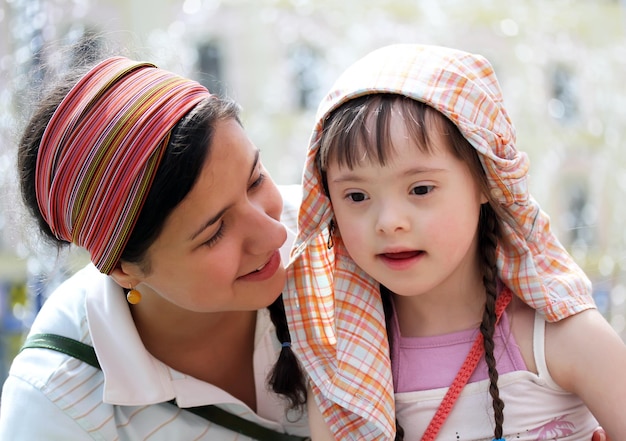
(101, 149)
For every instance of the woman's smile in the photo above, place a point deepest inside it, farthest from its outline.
(265, 271)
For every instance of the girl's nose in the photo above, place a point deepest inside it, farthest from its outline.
(391, 218)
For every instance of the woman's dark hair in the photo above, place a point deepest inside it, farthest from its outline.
(182, 162)
(178, 171)
(351, 125)
(29, 146)
(287, 377)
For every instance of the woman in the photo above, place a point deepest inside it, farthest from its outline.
(157, 180)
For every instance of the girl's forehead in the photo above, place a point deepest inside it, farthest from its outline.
(385, 123)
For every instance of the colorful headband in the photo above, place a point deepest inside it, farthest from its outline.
(101, 149)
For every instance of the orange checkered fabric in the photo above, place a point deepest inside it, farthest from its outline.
(334, 308)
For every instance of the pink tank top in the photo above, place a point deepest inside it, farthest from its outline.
(536, 408)
(425, 363)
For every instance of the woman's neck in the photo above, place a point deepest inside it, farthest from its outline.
(215, 347)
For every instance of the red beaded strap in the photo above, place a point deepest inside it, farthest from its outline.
(464, 374)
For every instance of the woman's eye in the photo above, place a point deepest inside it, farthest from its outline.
(421, 190)
(356, 197)
(257, 182)
(216, 237)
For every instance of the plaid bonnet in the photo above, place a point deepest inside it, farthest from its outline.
(334, 309)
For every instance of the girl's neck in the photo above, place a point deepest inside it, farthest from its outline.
(440, 312)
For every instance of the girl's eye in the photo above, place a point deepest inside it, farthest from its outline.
(216, 237)
(258, 181)
(421, 190)
(356, 197)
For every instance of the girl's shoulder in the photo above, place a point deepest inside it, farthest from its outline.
(576, 345)
(522, 321)
(587, 357)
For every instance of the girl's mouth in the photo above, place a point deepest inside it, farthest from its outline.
(401, 255)
(401, 260)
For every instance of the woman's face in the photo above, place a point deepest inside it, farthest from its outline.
(218, 250)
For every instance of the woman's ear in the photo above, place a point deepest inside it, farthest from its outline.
(126, 275)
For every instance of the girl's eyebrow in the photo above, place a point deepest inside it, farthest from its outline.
(419, 170)
(352, 176)
(220, 213)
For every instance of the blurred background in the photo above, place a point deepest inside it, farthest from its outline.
(561, 65)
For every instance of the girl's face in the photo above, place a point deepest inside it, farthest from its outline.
(218, 250)
(412, 223)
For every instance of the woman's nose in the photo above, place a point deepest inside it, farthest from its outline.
(265, 231)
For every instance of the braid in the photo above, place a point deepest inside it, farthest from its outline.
(488, 238)
(388, 309)
(286, 377)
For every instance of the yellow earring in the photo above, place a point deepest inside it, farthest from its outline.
(133, 297)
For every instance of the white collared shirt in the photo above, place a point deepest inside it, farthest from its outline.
(50, 395)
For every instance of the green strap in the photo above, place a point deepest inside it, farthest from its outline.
(211, 413)
(241, 425)
(66, 345)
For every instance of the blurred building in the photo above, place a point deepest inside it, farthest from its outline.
(561, 65)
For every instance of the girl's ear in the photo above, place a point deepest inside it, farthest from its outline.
(126, 275)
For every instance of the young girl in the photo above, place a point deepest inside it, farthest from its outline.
(416, 153)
